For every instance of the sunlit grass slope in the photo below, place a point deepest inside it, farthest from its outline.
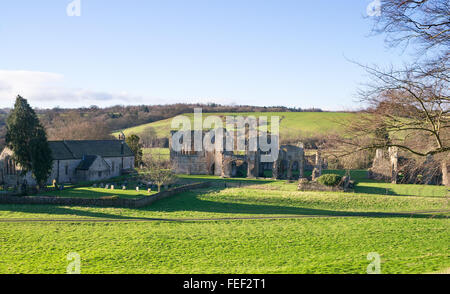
(293, 124)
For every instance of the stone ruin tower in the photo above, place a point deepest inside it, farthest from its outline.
(385, 165)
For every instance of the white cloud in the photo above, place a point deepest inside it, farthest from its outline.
(47, 90)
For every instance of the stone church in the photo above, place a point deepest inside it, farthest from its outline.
(74, 161)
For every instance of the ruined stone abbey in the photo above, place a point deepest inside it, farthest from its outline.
(290, 163)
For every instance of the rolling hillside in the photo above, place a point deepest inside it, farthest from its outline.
(292, 125)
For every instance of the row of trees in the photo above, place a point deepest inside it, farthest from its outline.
(95, 123)
(98, 123)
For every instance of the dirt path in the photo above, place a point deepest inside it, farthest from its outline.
(124, 220)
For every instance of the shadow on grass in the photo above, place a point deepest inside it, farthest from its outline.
(191, 202)
(51, 210)
(361, 178)
(226, 181)
(386, 191)
(360, 187)
(375, 190)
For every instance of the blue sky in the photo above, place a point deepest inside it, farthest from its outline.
(258, 52)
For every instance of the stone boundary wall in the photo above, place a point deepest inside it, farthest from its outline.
(129, 203)
(145, 201)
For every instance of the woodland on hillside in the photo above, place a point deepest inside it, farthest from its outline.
(94, 123)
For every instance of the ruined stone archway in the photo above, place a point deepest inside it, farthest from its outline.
(241, 168)
(283, 169)
(295, 169)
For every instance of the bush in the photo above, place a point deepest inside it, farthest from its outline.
(303, 181)
(329, 179)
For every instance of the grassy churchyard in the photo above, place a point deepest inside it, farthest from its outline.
(236, 226)
(95, 191)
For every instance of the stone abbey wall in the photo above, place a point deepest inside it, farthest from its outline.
(289, 165)
(190, 164)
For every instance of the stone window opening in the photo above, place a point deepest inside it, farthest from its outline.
(10, 167)
(7, 166)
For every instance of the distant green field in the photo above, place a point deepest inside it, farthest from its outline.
(292, 124)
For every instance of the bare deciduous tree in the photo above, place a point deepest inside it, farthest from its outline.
(154, 171)
(149, 137)
(424, 22)
(409, 105)
(84, 130)
(409, 108)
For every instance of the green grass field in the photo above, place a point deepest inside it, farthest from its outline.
(292, 125)
(161, 153)
(363, 185)
(264, 226)
(407, 245)
(87, 190)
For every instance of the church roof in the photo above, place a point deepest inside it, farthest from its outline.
(77, 149)
(87, 161)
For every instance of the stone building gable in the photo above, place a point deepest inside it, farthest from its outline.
(93, 163)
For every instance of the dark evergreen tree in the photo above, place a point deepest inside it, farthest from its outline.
(26, 137)
(135, 145)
